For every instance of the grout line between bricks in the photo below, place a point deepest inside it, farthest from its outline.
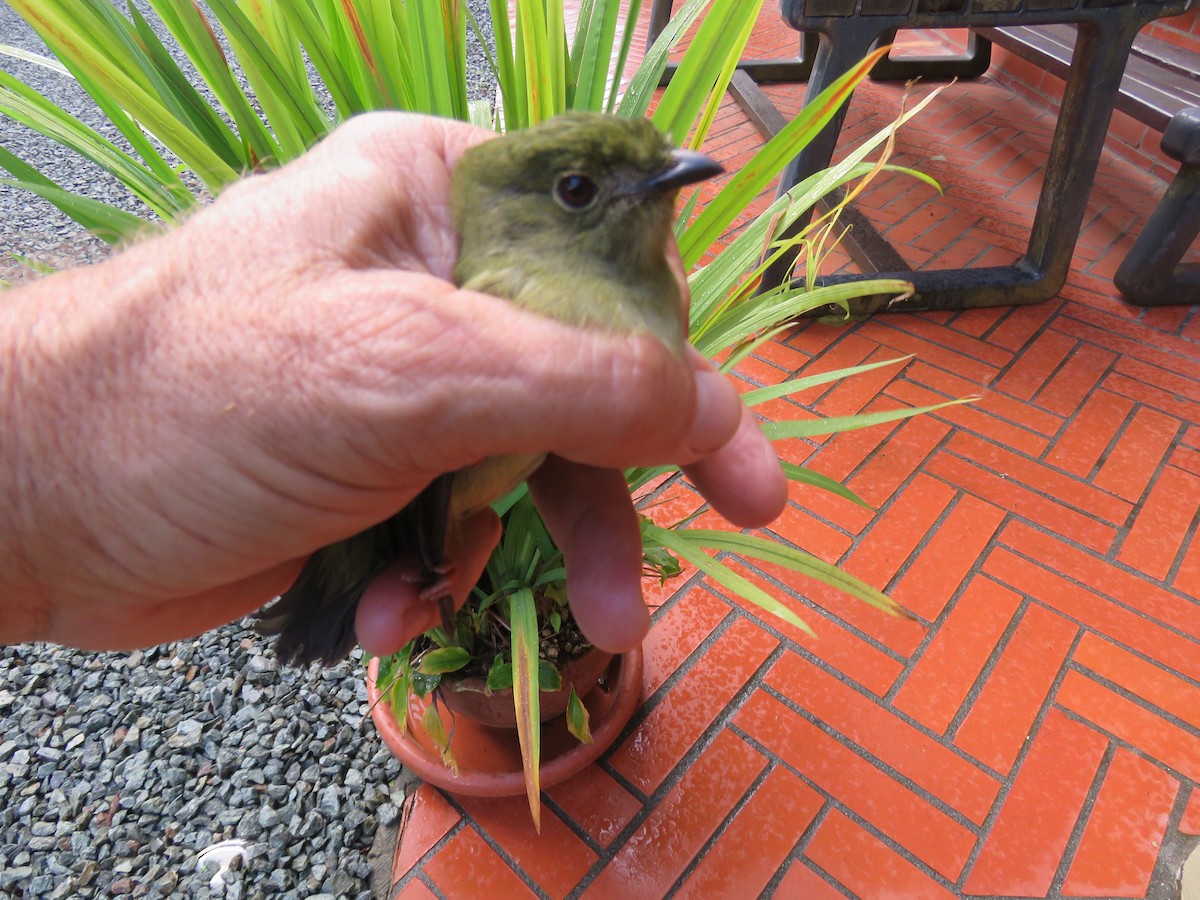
(797, 855)
(417, 872)
(833, 803)
(984, 676)
(1108, 598)
(1035, 728)
(650, 803)
(690, 869)
(1081, 821)
(879, 764)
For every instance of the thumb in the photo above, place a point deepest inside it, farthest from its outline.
(454, 376)
(530, 384)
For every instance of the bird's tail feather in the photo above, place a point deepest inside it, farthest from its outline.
(309, 626)
(314, 618)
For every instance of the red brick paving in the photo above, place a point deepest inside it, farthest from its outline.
(940, 681)
(1190, 823)
(1037, 733)
(1119, 846)
(1023, 848)
(674, 832)
(859, 860)
(772, 822)
(466, 861)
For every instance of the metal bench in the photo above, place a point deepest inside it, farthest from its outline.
(1106, 31)
(1161, 88)
(970, 64)
(849, 28)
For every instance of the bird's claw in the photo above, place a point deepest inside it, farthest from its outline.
(441, 591)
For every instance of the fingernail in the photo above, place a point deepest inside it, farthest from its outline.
(718, 411)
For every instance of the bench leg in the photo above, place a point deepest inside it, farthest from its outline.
(1152, 274)
(1097, 66)
(832, 61)
(660, 15)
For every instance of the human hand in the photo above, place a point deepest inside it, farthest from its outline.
(197, 415)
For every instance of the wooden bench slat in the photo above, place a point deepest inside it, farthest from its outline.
(1145, 97)
(1151, 93)
(1167, 55)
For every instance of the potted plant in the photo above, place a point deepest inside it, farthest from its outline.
(516, 661)
(411, 55)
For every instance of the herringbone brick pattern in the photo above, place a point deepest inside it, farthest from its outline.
(1036, 732)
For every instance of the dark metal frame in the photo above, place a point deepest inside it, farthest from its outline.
(849, 28)
(1152, 273)
(964, 66)
(971, 64)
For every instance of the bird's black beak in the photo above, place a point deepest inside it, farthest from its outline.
(687, 167)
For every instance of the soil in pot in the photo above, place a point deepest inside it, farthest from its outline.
(489, 758)
(469, 697)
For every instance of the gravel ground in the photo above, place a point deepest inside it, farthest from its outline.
(29, 225)
(116, 770)
(33, 228)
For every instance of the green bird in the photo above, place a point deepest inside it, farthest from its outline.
(569, 219)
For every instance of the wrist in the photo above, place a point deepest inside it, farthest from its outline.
(67, 345)
(22, 602)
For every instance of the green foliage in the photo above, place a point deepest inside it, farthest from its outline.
(500, 676)
(444, 659)
(410, 54)
(578, 719)
(395, 680)
(432, 722)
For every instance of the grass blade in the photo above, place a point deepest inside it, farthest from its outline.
(184, 101)
(37, 59)
(87, 41)
(291, 107)
(198, 40)
(591, 55)
(805, 475)
(796, 385)
(618, 69)
(25, 105)
(706, 65)
(526, 690)
(772, 552)
(808, 427)
(313, 33)
(686, 546)
(766, 164)
(108, 223)
(645, 80)
(507, 78)
(717, 93)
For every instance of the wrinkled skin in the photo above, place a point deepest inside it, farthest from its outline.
(193, 418)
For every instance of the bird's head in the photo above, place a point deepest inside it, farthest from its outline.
(600, 183)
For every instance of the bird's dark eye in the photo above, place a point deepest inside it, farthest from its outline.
(575, 191)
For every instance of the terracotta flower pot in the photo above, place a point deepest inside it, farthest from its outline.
(489, 758)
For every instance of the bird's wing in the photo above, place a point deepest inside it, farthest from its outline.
(499, 281)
